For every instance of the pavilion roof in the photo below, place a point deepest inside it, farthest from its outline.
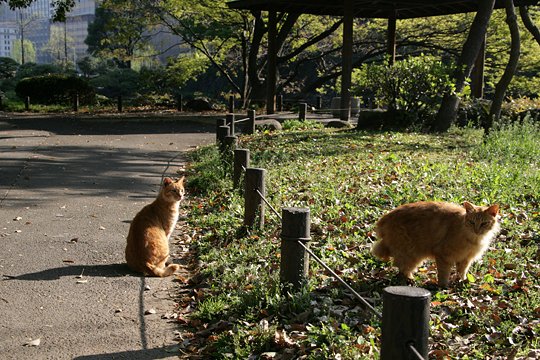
(400, 9)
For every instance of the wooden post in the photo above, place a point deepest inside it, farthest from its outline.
(405, 322)
(241, 162)
(230, 122)
(27, 103)
(251, 122)
(231, 104)
(279, 103)
(253, 181)
(319, 102)
(294, 258)
(179, 103)
(222, 133)
(76, 102)
(219, 123)
(119, 104)
(230, 142)
(302, 110)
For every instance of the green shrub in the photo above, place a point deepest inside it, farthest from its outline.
(413, 86)
(55, 89)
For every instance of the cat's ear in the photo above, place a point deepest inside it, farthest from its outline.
(468, 207)
(493, 210)
(167, 181)
(181, 180)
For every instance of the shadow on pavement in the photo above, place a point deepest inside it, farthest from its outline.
(113, 126)
(106, 270)
(144, 354)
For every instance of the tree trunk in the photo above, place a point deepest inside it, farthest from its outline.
(533, 29)
(450, 103)
(502, 85)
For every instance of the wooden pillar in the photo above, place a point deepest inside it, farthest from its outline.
(477, 74)
(271, 78)
(250, 129)
(230, 122)
(294, 267)
(405, 322)
(346, 60)
(241, 162)
(253, 203)
(391, 40)
(302, 111)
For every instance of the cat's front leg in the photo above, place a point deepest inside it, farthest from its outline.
(462, 267)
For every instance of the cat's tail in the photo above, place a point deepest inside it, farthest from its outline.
(154, 270)
(380, 250)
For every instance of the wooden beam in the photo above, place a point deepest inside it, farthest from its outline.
(271, 78)
(346, 59)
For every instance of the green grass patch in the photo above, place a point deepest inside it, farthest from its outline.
(349, 179)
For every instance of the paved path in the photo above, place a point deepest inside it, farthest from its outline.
(68, 190)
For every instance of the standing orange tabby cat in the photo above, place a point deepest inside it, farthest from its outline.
(147, 248)
(449, 233)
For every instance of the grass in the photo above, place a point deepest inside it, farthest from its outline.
(349, 179)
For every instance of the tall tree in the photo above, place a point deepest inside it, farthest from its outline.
(449, 107)
(502, 85)
(59, 46)
(120, 29)
(529, 24)
(61, 7)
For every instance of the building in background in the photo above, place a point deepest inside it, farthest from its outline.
(35, 25)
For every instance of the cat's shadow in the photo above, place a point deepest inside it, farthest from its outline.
(81, 271)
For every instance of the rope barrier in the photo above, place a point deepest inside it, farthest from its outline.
(323, 264)
(338, 278)
(414, 351)
(267, 203)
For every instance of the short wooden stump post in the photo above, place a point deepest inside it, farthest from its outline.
(302, 111)
(250, 129)
(279, 103)
(219, 123)
(76, 102)
(230, 122)
(179, 102)
(241, 162)
(405, 322)
(254, 206)
(294, 267)
(230, 143)
(119, 104)
(222, 133)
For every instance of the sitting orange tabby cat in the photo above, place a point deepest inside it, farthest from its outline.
(449, 233)
(147, 248)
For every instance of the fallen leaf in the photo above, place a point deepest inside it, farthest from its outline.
(101, 228)
(82, 281)
(35, 342)
(18, 218)
(150, 312)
